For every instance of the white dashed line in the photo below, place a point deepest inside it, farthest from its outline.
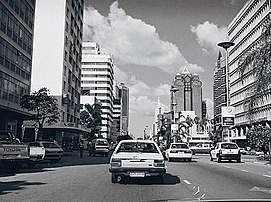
(227, 167)
(187, 182)
(266, 175)
(245, 171)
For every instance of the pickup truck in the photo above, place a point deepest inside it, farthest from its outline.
(13, 153)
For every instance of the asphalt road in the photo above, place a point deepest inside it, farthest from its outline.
(88, 179)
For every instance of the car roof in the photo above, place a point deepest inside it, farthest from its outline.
(146, 141)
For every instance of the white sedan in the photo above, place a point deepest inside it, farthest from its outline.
(179, 151)
(137, 159)
(225, 151)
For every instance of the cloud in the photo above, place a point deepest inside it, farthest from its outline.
(132, 41)
(209, 35)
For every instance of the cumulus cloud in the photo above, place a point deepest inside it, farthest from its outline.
(132, 41)
(209, 35)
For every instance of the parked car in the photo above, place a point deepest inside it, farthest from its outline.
(225, 151)
(53, 152)
(99, 146)
(137, 159)
(36, 152)
(179, 151)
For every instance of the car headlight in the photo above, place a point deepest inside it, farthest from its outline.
(115, 162)
(159, 163)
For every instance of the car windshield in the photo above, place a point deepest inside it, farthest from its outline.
(229, 146)
(102, 142)
(179, 146)
(137, 147)
(50, 145)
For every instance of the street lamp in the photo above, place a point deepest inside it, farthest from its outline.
(174, 89)
(226, 45)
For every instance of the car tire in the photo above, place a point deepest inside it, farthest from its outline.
(15, 167)
(189, 159)
(160, 178)
(169, 159)
(114, 178)
(239, 160)
(211, 158)
(56, 161)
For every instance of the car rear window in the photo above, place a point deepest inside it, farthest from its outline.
(229, 146)
(102, 142)
(179, 146)
(50, 145)
(137, 147)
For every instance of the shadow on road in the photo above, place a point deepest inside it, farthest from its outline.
(8, 187)
(168, 180)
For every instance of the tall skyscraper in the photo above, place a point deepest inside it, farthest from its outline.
(97, 83)
(245, 31)
(16, 45)
(124, 94)
(189, 94)
(219, 93)
(57, 59)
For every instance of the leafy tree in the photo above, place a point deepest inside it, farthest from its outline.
(259, 137)
(44, 108)
(258, 63)
(92, 118)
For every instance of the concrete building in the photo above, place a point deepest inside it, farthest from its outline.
(57, 60)
(189, 94)
(245, 31)
(16, 45)
(97, 82)
(219, 94)
(124, 94)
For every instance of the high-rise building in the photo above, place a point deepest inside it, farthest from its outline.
(97, 83)
(219, 94)
(124, 94)
(245, 31)
(57, 59)
(16, 45)
(189, 94)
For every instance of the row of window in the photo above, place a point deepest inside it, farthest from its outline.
(96, 76)
(13, 60)
(95, 69)
(96, 63)
(24, 10)
(15, 30)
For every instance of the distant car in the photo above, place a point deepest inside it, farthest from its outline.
(179, 151)
(137, 159)
(225, 151)
(99, 146)
(53, 152)
(36, 153)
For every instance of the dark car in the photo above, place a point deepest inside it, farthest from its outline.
(53, 152)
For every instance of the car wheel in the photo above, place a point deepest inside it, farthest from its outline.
(211, 158)
(56, 161)
(239, 160)
(169, 159)
(160, 178)
(114, 178)
(15, 167)
(218, 159)
(189, 159)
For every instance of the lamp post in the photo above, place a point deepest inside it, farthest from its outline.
(173, 89)
(225, 45)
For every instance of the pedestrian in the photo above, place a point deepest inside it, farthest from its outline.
(81, 147)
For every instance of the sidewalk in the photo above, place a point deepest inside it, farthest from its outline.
(255, 159)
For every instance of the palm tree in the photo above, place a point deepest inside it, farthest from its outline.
(257, 62)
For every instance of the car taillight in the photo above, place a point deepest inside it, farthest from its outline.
(173, 151)
(115, 162)
(159, 163)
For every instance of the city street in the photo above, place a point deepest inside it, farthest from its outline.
(88, 179)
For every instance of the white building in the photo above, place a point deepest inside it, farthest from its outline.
(245, 31)
(58, 33)
(97, 78)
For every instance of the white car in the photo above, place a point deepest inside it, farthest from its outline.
(225, 151)
(137, 159)
(36, 153)
(179, 151)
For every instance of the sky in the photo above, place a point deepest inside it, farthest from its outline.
(152, 40)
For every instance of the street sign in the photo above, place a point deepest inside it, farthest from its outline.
(228, 121)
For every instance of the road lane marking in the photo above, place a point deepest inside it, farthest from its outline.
(245, 171)
(227, 166)
(266, 175)
(187, 182)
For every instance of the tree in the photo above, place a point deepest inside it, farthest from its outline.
(259, 137)
(92, 118)
(258, 63)
(44, 107)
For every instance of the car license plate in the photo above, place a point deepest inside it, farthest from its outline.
(137, 174)
(180, 152)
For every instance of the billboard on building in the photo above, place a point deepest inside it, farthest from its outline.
(228, 114)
